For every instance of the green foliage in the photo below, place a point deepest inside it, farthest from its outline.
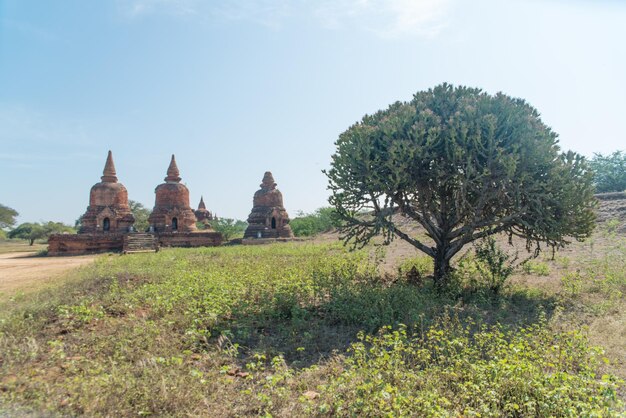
(322, 220)
(229, 228)
(573, 282)
(464, 164)
(7, 216)
(538, 268)
(247, 330)
(28, 231)
(451, 370)
(610, 172)
(34, 231)
(141, 214)
(57, 228)
(606, 274)
(419, 265)
(495, 264)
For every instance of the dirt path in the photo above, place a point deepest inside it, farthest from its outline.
(22, 271)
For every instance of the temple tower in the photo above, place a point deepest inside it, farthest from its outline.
(108, 210)
(172, 212)
(202, 214)
(268, 218)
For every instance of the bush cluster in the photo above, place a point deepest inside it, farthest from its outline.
(322, 220)
(451, 369)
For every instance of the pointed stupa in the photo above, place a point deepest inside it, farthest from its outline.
(108, 174)
(268, 218)
(202, 214)
(173, 175)
(171, 212)
(108, 210)
(268, 182)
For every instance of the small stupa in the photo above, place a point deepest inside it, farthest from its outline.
(108, 210)
(172, 212)
(202, 214)
(268, 218)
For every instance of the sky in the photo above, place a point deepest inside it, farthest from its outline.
(237, 88)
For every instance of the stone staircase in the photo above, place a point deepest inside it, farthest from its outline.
(140, 243)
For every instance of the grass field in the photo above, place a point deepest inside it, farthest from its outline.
(14, 246)
(310, 329)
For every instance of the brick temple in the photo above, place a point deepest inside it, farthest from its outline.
(268, 218)
(203, 215)
(172, 212)
(107, 225)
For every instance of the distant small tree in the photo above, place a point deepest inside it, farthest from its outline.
(32, 231)
(7, 216)
(322, 220)
(28, 231)
(141, 214)
(57, 228)
(610, 172)
(229, 228)
(465, 165)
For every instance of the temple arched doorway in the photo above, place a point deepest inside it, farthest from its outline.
(174, 224)
(106, 224)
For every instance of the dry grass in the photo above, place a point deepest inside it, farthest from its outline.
(21, 246)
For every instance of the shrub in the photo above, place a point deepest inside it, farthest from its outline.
(538, 268)
(322, 220)
(449, 370)
(229, 228)
(418, 266)
(495, 264)
(610, 172)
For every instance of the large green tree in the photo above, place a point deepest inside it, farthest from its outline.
(28, 231)
(141, 214)
(465, 165)
(7, 216)
(609, 171)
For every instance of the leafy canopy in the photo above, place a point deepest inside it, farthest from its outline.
(141, 214)
(34, 231)
(322, 220)
(465, 165)
(229, 228)
(7, 216)
(610, 172)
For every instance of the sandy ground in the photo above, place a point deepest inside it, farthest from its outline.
(24, 272)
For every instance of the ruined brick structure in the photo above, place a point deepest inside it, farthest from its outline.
(172, 212)
(107, 219)
(107, 224)
(108, 210)
(268, 218)
(202, 214)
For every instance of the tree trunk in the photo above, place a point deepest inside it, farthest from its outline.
(442, 268)
(32, 241)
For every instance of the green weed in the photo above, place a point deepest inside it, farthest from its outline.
(538, 268)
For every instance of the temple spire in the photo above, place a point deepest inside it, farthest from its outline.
(201, 205)
(173, 175)
(268, 182)
(108, 174)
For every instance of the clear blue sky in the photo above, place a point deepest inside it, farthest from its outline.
(235, 88)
